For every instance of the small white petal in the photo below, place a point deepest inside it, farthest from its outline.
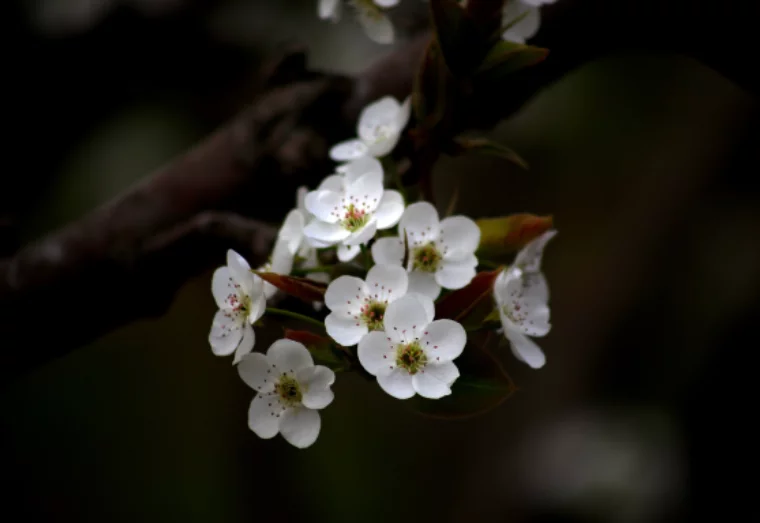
(240, 271)
(460, 234)
(424, 283)
(391, 3)
(363, 235)
(377, 26)
(443, 341)
(344, 328)
(263, 415)
(282, 258)
(535, 286)
(429, 386)
(258, 301)
(420, 221)
(528, 25)
(388, 251)
(376, 354)
(246, 344)
(454, 276)
(525, 349)
(354, 170)
(222, 287)
(405, 319)
(380, 113)
(427, 304)
(291, 232)
(322, 204)
(346, 293)
(300, 426)
(328, 9)
(390, 210)
(301, 193)
(254, 369)
(289, 356)
(346, 253)
(444, 372)
(402, 118)
(348, 150)
(529, 258)
(226, 333)
(366, 191)
(334, 182)
(326, 233)
(384, 145)
(316, 382)
(386, 283)
(398, 384)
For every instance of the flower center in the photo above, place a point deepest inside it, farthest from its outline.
(354, 218)
(289, 390)
(240, 303)
(411, 357)
(426, 258)
(373, 313)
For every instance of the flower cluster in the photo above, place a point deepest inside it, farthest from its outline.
(400, 286)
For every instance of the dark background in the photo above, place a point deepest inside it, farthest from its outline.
(644, 411)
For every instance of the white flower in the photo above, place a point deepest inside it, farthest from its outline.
(529, 16)
(291, 389)
(240, 297)
(289, 240)
(522, 297)
(351, 207)
(379, 129)
(441, 253)
(413, 354)
(371, 17)
(358, 307)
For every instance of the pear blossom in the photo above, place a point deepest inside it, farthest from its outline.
(413, 354)
(350, 207)
(369, 13)
(289, 240)
(441, 252)
(522, 297)
(241, 301)
(291, 391)
(358, 306)
(380, 126)
(524, 17)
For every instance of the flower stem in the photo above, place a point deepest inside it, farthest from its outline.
(295, 316)
(489, 264)
(311, 270)
(367, 257)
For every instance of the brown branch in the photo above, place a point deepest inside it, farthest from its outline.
(126, 259)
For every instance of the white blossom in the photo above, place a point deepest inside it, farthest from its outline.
(369, 13)
(441, 252)
(350, 207)
(289, 240)
(241, 301)
(522, 297)
(529, 15)
(413, 354)
(358, 306)
(379, 129)
(291, 390)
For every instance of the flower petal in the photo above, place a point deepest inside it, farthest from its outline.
(377, 26)
(535, 286)
(525, 349)
(316, 382)
(420, 221)
(366, 191)
(363, 235)
(354, 170)
(454, 276)
(322, 203)
(428, 385)
(300, 426)
(380, 113)
(329, 9)
(291, 232)
(226, 333)
(405, 319)
(443, 340)
(427, 304)
(390, 210)
(223, 288)
(254, 369)
(240, 271)
(424, 283)
(258, 301)
(264, 415)
(288, 356)
(459, 234)
(402, 118)
(384, 144)
(246, 344)
(529, 258)
(527, 27)
(348, 150)
(398, 384)
(326, 233)
(388, 251)
(346, 253)
(345, 328)
(386, 283)
(346, 293)
(386, 3)
(376, 354)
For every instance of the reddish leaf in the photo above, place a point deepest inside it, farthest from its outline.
(471, 304)
(302, 288)
(507, 234)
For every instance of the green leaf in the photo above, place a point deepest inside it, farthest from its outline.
(323, 349)
(506, 58)
(302, 288)
(485, 146)
(482, 385)
(506, 234)
(461, 41)
(471, 304)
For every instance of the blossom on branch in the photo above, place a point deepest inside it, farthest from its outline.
(380, 126)
(291, 391)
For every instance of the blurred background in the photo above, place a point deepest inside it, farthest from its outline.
(649, 164)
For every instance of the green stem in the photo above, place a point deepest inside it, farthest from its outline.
(295, 316)
(367, 257)
(489, 264)
(311, 270)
